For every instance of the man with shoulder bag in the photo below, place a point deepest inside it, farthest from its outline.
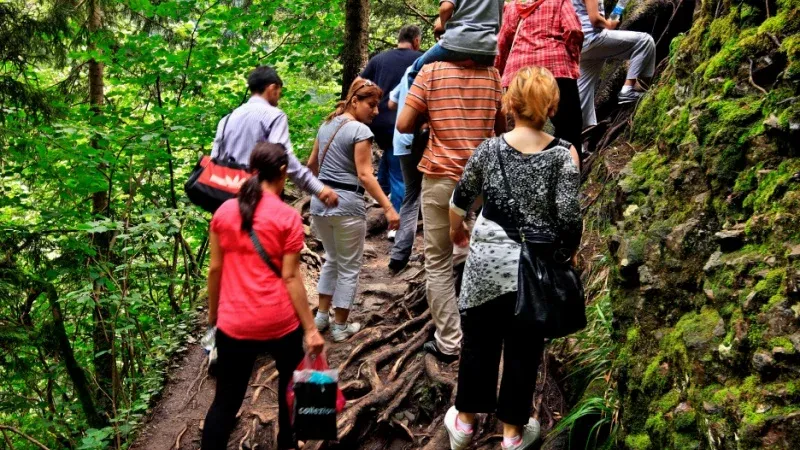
(257, 120)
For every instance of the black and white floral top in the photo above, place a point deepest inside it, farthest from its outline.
(545, 190)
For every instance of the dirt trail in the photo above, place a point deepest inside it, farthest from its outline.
(396, 394)
(189, 393)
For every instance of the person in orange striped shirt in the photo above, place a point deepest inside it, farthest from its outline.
(462, 105)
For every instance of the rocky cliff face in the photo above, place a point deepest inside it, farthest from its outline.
(697, 216)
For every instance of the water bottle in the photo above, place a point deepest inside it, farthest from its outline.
(617, 12)
(209, 344)
(207, 341)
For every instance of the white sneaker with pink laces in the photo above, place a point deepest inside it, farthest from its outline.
(530, 434)
(458, 438)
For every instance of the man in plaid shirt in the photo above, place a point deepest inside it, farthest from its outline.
(545, 33)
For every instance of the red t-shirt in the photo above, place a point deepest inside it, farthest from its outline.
(253, 302)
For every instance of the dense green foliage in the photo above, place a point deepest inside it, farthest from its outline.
(102, 297)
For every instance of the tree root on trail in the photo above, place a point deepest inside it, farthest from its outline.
(386, 377)
(202, 371)
(261, 386)
(409, 383)
(433, 372)
(412, 347)
(439, 440)
(180, 436)
(405, 428)
(369, 338)
(347, 421)
(202, 376)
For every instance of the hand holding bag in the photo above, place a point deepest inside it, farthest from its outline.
(314, 399)
(550, 296)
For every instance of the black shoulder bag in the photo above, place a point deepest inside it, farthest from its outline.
(263, 253)
(550, 295)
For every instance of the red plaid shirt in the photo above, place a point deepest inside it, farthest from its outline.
(550, 37)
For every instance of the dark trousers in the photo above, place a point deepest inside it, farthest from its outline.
(234, 366)
(490, 329)
(568, 120)
(390, 176)
(409, 210)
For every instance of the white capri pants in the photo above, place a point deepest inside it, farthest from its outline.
(343, 240)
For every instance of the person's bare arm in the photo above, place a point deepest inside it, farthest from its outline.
(214, 277)
(392, 105)
(363, 160)
(407, 119)
(293, 279)
(593, 9)
(446, 10)
(459, 233)
(313, 160)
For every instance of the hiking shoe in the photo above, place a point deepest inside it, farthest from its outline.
(458, 438)
(343, 332)
(530, 434)
(432, 348)
(322, 321)
(396, 265)
(629, 97)
(391, 234)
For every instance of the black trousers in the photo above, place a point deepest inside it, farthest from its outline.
(234, 366)
(490, 329)
(568, 121)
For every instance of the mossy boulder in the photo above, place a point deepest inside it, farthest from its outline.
(706, 224)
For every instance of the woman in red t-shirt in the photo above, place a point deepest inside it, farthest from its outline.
(257, 306)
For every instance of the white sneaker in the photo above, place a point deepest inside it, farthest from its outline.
(530, 434)
(322, 321)
(342, 333)
(629, 96)
(391, 234)
(458, 439)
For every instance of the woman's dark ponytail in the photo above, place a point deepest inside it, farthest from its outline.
(249, 196)
(266, 162)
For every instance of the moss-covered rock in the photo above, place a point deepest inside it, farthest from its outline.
(705, 216)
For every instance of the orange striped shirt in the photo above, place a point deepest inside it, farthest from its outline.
(461, 103)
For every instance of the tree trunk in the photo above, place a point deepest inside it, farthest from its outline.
(354, 53)
(74, 370)
(103, 333)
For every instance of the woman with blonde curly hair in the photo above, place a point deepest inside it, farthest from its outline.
(528, 179)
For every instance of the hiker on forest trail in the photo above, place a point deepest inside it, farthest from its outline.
(260, 120)
(256, 296)
(545, 33)
(602, 42)
(468, 30)
(546, 201)
(386, 69)
(462, 102)
(408, 147)
(342, 158)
